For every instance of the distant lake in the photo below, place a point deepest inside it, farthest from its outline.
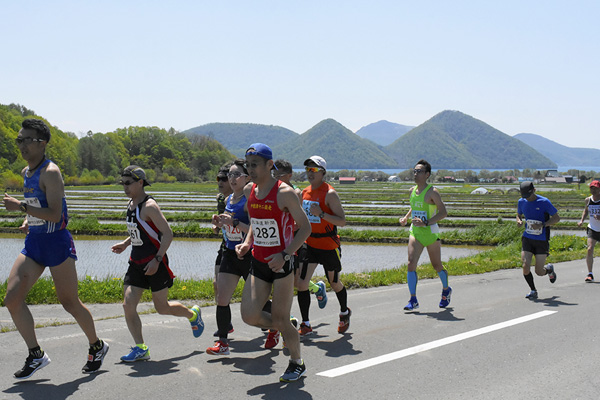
(396, 171)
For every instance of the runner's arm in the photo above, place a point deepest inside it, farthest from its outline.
(585, 212)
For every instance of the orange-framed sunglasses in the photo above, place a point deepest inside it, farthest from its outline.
(313, 169)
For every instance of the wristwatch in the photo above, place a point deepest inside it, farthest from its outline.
(23, 206)
(158, 258)
(322, 215)
(426, 222)
(286, 256)
(236, 222)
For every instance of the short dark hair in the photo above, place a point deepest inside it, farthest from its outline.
(224, 170)
(426, 164)
(240, 163)
(284, 166)
(39, 126)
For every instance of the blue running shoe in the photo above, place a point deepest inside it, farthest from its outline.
(321, 294)
(446, 297)
(412, 305)
(197, 324)
(137, 354)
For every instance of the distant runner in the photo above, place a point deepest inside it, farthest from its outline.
(538, 214)
(592, 208)
(426, 210)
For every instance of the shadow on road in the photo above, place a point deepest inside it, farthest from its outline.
(41, 389)
(444, 315)
(160, 367)
(262, 365)
(277, 391)
(554, 302)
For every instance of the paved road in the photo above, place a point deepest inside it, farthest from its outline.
(491, 343)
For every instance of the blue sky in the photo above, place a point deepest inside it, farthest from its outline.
(520, 66)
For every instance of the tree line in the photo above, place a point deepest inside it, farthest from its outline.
(99, 158)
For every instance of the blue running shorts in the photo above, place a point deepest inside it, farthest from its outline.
(49, 249)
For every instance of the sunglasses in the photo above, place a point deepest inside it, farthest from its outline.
(313, 169)
(418, 171)
(27, 140)
(126, 183)
(221, 179)
(235, 175)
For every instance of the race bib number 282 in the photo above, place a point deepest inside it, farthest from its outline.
(266, 232)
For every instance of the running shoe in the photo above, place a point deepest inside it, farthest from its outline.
(137, 354)
(272, 339)
(216, 334)
(532, 295)
(589, 278)
(344, 322)
(305, 330)
(32, 365)
(95, 358)
(219, 349)
(293, 372)
(321, 294)
(197, 324)
(412, 305)
(445, 297)
(551, 273)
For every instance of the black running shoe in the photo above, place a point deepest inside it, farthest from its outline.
(95, 358)
(293, 372)
(32, 365)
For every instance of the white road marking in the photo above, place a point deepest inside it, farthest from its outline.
(332, 373)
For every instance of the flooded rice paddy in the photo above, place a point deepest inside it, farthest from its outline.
(195, 258)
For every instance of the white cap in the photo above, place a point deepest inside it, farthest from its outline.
(320, 161)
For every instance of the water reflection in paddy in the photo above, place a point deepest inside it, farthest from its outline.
(195, 258)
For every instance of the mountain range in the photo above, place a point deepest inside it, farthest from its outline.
(449, 140)
(562, 155)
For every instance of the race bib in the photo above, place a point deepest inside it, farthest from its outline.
(233, 234)
(594, 210)
(420, 214)
(134, 234)
(313, 219)
(31, 220)
(529, 227)
(266, 232)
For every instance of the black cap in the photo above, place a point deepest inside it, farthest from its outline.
(526, 189)
(136, 173)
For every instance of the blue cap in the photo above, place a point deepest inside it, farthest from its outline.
(260, 149)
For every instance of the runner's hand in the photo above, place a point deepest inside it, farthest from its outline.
(151, 267)
(276, 262)
(241, 249)
(11, 203)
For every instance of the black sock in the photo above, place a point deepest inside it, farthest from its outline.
(96, 346)
(529, 280)
(342, 296)
(223, 320)
(36, 352)
(304, 303)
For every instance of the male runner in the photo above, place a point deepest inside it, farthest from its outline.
(323, 207)
(538, 214)
(284, 173)
(592, 207)
(426, 209)
(48, 244)
(273, 207)
(150, 236)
